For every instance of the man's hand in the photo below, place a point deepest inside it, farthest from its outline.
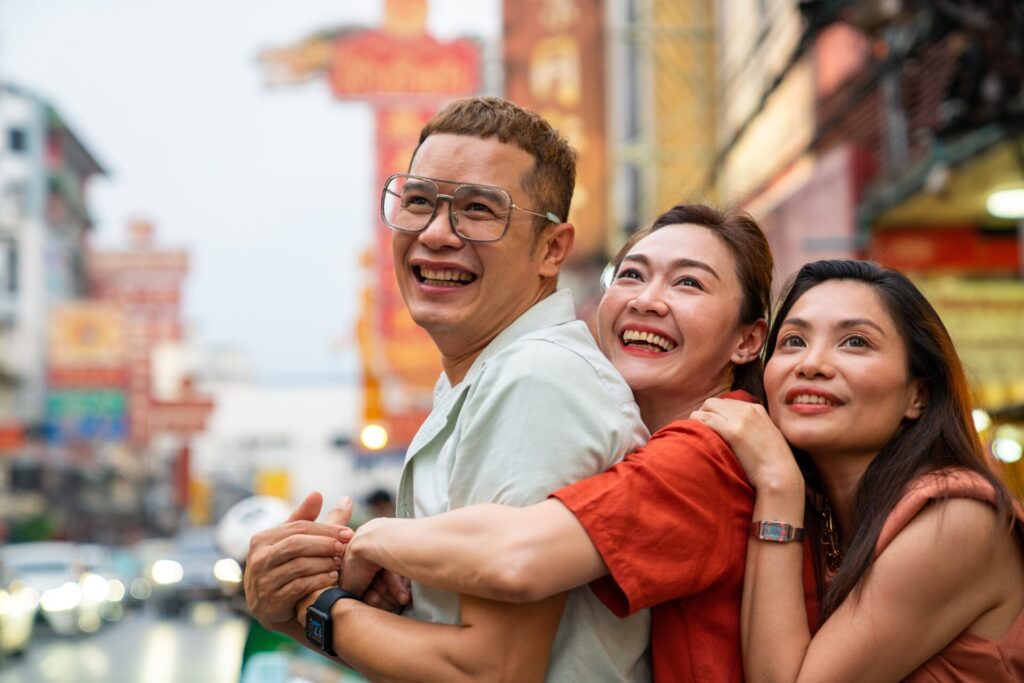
(389, 591)
(287, 563)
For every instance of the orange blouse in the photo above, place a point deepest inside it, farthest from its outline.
(968, 658)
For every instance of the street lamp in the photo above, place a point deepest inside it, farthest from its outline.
(373, 437)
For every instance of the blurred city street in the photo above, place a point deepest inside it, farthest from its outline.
(203, 646)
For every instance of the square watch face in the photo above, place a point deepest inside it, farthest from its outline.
(315, 626)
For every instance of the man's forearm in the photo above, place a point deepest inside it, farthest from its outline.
(496, 642)
(296, 630)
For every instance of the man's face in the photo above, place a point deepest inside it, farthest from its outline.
(465, 293)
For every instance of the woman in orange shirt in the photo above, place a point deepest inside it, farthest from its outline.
(920, 543)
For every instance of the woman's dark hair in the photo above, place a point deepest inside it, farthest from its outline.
(943, 435)
(754, 265)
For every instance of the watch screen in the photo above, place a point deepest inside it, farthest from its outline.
(315, 629)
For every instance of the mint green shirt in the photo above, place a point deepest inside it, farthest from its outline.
(541, 407)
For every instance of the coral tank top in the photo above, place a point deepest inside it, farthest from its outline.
(968, 658)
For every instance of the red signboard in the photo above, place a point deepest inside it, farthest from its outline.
(953, 251)
(183, 418)
(554, 64)
(12, 438)
(408, 349)
(146, 283)
(87, 377)
(380, 66)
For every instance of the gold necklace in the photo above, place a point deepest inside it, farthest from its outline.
(830, 537)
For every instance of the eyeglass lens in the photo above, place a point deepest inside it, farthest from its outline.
(479, 212)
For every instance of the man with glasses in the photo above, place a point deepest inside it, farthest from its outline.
(526, 404)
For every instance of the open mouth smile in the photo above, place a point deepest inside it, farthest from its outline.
(647, 341)
(446, 277)
(804, 397)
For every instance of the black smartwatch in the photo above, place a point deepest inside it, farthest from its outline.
(319, 625)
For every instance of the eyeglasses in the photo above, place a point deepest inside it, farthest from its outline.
(477, 213)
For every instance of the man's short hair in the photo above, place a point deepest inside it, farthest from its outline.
(551, 181)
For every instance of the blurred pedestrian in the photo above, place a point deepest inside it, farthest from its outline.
(380, 503)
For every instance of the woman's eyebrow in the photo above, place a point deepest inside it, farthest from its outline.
(676, 263)
(842, 324)
(858, 322)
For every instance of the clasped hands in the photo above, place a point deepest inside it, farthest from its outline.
(290, 565)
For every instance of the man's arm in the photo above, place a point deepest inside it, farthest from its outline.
(497, 552)
(495, 641)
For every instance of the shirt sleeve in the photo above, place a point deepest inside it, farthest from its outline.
(538, 419)
(670, 520)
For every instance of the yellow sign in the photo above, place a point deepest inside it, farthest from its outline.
(87, 335)
(275, 483)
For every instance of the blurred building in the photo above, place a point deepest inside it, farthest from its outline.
(662, 107)
(162, 410)
(44, 221)
(888, 130)
(285, 440)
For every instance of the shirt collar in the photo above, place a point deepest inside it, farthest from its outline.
(556, 309)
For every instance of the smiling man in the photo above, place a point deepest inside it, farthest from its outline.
(526, 404)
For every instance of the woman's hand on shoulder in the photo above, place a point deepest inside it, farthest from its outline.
(756, 441)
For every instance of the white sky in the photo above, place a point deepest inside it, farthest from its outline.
(271, 190)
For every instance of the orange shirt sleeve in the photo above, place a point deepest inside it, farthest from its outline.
(670, 520)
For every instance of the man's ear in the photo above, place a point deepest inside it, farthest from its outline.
(918, 400)
(751, 342)
(555, 247)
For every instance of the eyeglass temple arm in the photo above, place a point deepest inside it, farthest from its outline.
(549, 215)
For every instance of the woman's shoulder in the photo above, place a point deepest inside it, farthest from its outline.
(947, 484)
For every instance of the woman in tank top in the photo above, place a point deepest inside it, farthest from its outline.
(918, 543)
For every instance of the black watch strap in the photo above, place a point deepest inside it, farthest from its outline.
(321, 609)
(331, 596)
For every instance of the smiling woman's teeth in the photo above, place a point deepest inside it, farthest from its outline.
(654, 342)
(812, 399)
(445, 278)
